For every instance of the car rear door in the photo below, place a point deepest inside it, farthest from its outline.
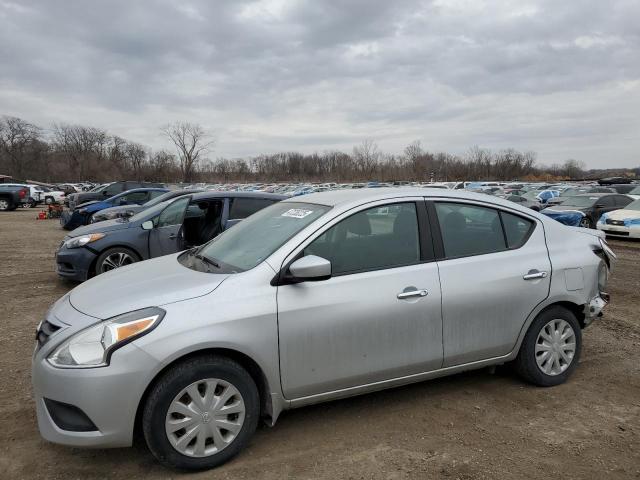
(494, 270)
(377, 318)
(167, 235)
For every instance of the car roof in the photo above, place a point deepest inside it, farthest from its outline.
(335, 198)
(217, 194)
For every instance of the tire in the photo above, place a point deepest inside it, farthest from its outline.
(116, 257)
(586, 223)
(5, 205)
(535, 362)
(48, 200)
(160, 407)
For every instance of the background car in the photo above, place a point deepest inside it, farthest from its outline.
(130, 210)
(168, 227)
(585, 210)
(525, 201)
(81, 214)
(622, 223)
(107, 190)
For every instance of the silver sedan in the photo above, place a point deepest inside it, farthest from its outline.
(315, 298)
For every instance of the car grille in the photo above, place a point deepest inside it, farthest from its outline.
(44, 331)
(615, 222)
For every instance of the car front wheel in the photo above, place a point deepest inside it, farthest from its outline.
(586, 223)
(201, 413)
(551, 348)
(115, 258)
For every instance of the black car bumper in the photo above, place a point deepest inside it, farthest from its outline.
(71, 220)
(74, 263)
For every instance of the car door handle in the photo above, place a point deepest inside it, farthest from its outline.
(534, 274)
(412, 293)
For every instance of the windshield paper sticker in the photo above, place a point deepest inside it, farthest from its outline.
(297, 213)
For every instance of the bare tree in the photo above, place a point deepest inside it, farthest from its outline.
(192, 142)
(17, 139)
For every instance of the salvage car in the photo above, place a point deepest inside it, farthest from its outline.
(12, 196)
(108, 190)
(83, 213)
(131, 210)
(311, 299)
(584, 210)
(168, 227)
(622, 223)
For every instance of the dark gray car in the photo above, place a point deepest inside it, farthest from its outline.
(130, 210)
(168, 227)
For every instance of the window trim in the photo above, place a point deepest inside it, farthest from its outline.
(425, 238)
(437, 233)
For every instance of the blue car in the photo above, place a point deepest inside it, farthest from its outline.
(169, 227)
(81, 215)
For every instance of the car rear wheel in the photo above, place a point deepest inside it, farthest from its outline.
(551, 348)
(586, 223)
(115, 258)
(201, 413)
(48, 200)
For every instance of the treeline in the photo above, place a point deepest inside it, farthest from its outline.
(76, 153)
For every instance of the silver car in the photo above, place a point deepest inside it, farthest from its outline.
(312, 299)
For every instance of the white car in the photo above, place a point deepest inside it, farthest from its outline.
(622, 223)
(49, 196)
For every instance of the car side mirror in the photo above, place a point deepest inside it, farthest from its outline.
(148, 225)
(311, 268)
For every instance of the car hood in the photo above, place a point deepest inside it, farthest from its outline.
(86, 204)
(151, 283)
(101, 227)
(565, 208)
(624, 214)
(121, 209)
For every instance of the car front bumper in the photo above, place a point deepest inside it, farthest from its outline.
(620, 230)
(75, 263)
(107, 396)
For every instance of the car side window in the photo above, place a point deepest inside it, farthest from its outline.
(516, 228)
(373, 239)
(112, 190)
(135, 197)
(607, 201)
(469, 229)
(173, 214)
(623, 200)
(155, 193)
(243, 207)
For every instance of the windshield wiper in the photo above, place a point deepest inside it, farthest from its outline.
(203, 258)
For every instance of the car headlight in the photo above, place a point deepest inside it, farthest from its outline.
(93, 346)
(82, 240)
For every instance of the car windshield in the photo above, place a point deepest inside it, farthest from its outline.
(635, 191)
(580, 201)
(251, 241)
(633, 205)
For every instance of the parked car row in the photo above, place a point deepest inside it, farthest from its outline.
(309, 299)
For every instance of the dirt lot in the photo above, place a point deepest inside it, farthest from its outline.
(475, 425)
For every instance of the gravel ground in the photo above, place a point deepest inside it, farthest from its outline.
(475, 425)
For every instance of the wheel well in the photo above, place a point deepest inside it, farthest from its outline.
(577, 310)
(245, 361)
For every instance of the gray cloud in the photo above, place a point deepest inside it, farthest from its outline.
(560, 78)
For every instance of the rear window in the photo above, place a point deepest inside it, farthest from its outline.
(243, 207)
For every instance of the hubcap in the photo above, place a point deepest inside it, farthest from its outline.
(555, 347)
(205, 417)
(116, 260)
(4, 204)
(585, 223)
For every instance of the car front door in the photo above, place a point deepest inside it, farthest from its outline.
(494, 270)
(379, 315)
(166, 235)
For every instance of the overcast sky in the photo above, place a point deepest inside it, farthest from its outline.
(561, 78)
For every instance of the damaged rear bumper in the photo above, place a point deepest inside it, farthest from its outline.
(594, 308)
